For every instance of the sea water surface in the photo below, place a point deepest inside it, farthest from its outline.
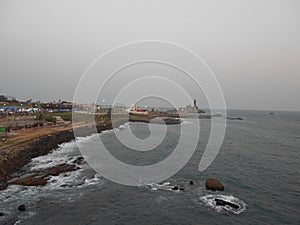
(259, 165)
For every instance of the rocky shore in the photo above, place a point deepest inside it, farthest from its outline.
(14, 157)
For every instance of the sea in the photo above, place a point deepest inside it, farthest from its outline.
(258, 164)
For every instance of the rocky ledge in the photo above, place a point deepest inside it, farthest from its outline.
(14, 157)
(40, 177)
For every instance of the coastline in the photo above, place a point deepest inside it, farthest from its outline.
(38, 142)
(13, 157)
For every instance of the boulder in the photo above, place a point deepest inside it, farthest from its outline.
(221, 202)
(22, 208)
(214, 185)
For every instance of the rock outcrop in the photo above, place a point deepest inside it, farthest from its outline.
(30, 181)
(3, 185)
(39, 178)
(79, 160)
(14, 157)
(221, 202)
(55, 171)
(22, 208)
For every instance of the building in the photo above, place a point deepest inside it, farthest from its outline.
(118, 108)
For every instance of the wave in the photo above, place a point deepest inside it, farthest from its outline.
(209, 200)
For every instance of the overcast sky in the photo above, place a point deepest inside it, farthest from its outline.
(253, 47)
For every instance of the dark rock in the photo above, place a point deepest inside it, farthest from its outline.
(175, 188)
(30, 181)
(55, 171)
(191, 182)
(214, 185)
(220, 202)
(79, 160)
(3, 186)
(40, 177)
(21, 208)
(2, 214)
(181, 188)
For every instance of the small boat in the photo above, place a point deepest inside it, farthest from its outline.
(234, 118)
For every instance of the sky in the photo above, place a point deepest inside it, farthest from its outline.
(252, 47)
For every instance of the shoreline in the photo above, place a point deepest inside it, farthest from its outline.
(13, 157)
(38, 142)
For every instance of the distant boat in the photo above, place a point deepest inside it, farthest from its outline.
(136, 111)
(234, 118)
(271, 113)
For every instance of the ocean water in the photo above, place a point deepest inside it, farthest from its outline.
(259, 165)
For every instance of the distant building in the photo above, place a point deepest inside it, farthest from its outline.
(191, 109)
(66, 105)
(105, 108)
(118, 108)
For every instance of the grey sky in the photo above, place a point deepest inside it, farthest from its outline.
(252, 46)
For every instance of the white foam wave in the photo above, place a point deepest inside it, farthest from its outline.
(66, 186)
(186, 122)
(165, 186)
(55, 157)
(96, 180)
(209, 200)
(73, 180)
(124, 126)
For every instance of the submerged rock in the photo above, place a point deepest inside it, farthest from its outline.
(22, 208)
(221, 202)
(214, 185)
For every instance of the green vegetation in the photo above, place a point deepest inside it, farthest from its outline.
(49, 117)
(76, 117)
(2, 129)
(82, 117)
